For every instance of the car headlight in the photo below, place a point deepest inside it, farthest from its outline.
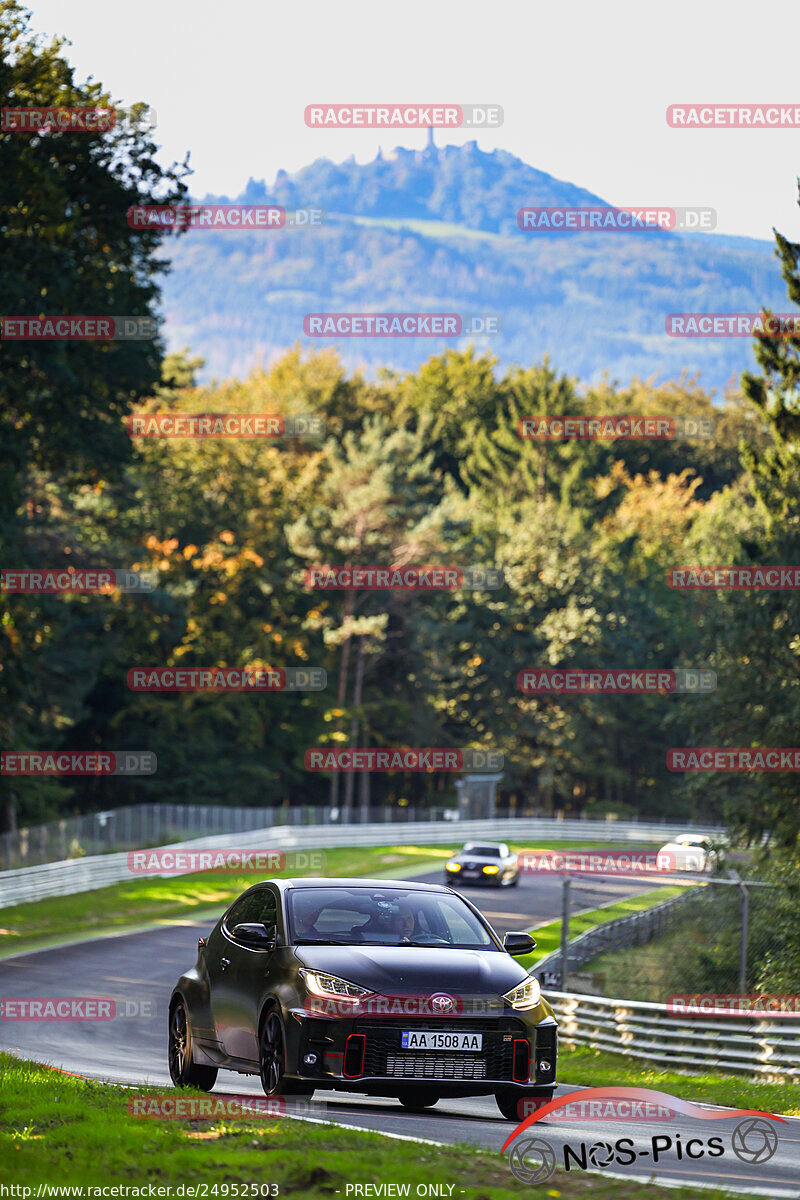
(524, 995)
(319, 983)
(490, 870)
(452, 866)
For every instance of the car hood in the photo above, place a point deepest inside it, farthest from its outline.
(412, 970)
(477, 858)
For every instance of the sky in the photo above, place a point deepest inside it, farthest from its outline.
(584, 87)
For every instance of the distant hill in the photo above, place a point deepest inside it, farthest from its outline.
(436, 231)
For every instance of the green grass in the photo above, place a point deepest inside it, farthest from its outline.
(597, 1068)
(548, 937)
(679, 962)
(75, 1132)
(142, 901)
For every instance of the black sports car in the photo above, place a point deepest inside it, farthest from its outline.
(390, 989)
(491, 864)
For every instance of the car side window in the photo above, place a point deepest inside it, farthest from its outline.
(257, 906)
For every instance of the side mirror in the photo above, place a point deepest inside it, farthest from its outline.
(201, 943)
(518, 943)
(255, 934)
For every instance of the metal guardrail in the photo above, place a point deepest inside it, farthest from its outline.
(86, 874)
(634, 930)
(136, 825)
(767, 1049)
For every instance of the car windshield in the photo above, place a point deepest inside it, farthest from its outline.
(483, 851)
(364, 916)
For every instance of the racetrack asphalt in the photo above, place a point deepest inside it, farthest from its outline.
(141, 968)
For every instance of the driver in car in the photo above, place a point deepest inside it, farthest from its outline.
(305, 922)
(404, 925)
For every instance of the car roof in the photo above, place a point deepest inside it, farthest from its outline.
(310, 881)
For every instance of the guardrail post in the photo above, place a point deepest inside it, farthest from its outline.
(743, 933)
(564, 931)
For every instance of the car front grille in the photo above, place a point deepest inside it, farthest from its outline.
(436, 1066)
(384, 1054)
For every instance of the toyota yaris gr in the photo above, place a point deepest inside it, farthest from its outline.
(360, 985)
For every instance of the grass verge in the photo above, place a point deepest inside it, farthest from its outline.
(74, 1132)
(597, 1068)
(678, 962)
(548, 937)
(140, 901)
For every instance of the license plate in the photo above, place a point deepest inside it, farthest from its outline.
(423, 1039)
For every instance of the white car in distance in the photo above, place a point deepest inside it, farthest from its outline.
(691, 852)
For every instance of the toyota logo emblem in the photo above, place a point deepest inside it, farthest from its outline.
(442, 1003)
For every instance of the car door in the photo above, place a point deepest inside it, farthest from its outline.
(237, 982)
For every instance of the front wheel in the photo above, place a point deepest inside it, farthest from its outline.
(417, 1101)
(183, 1070)
(272, 1062)
(516, 1105)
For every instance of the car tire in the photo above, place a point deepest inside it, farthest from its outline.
(272, 1060)
(417, 1100)
(183, 1070)
(508, 1101)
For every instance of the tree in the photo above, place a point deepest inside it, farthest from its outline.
(375, 504)
(68, 250)
(758, 650)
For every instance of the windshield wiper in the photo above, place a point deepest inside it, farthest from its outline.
(321, 942)
(437, 944)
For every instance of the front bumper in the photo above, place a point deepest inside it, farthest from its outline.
(364, 1054)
